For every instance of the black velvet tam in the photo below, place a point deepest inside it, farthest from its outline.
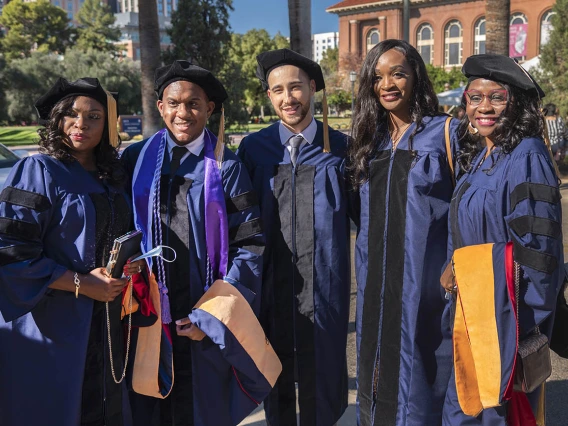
(501, 69)
(267, 61)
(186, 71)
(63, 88)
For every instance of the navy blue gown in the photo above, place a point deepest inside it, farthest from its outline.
(54, 361)
(512, 198)
(306, 278)
(201, 394)
(404, 345)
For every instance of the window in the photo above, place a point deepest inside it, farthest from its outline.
(160, 7)
(545, 27)
(70, 16)
(518, 33)
(69, 7)
(479, 39)
(373, 38)
(453, 43)
(425, 42)
(57, 3)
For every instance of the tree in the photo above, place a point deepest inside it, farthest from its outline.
(34, 26)
(553, 76)
(340, 100)
(440, 77)
(149, 31)
(497, 26)
(300, 16)
(96, 27)
(330, 61)
(200, 31)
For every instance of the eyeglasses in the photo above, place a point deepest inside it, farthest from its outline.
(496, 97)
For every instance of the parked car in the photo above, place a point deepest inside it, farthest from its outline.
(7, 160)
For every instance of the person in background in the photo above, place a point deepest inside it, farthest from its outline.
(297, 168)
(400, 168)
(60, 212)
(557, 131)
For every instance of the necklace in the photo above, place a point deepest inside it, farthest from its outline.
(400, 133)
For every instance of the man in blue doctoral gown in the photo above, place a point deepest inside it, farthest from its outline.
(171, 182)
(297, 168)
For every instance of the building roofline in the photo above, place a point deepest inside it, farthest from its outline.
(375, 4)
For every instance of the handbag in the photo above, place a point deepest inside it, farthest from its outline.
(533, 354)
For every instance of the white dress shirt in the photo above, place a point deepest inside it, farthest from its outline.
(309, 134)
(195, 147)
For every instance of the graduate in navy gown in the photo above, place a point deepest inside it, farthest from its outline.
(297, 167)
(508, 202)
(399, 165)
(60, 212)
(187, 186)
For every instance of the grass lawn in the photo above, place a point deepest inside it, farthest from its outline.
(338, 123)
(18, 135)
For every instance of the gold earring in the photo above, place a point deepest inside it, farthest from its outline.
(472, 130)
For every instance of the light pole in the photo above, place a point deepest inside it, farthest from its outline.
(352, 78)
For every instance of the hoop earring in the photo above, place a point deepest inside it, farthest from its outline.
(472, 130)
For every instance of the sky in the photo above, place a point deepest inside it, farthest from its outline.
(272, 15)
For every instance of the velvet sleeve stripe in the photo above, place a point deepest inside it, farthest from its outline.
(21, 197)
(536, 225)
(13, 254)
(536, 192)
(534, 259)
(242, 202)
(245, 230)
(19, 228)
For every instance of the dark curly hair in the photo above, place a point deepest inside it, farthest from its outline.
(55, 143)
(521, 119)
(370, 118)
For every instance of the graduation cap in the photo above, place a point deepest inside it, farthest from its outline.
(268, 61)
(501, 69)
(181, 70)
(85, 86)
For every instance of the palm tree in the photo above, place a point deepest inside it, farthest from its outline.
(150, 59)
(497, 26)
(300, 15)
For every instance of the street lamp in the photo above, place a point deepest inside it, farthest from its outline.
(352, 78)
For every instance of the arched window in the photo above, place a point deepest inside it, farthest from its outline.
(518, 35)
(453, 43)
(373, 38)
(479, 39)
(545, 27)
(425, 42)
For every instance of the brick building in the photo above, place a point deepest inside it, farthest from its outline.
(445, 32)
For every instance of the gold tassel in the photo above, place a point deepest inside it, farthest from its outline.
(112, 118)
(325, 125)
(220, 147)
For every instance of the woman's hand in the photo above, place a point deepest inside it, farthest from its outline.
(132, 268)
(447, 279)
(98, 285)
(184, 327)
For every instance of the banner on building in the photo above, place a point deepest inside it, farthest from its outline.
(518, 40)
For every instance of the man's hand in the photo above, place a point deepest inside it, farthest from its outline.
(184, 327)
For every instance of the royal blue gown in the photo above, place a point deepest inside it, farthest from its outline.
(512, 198)
(306, 279)
(404, 347)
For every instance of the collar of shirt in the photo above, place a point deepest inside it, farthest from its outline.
(309, 133)
(195, 147)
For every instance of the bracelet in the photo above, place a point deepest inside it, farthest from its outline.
(77, 282)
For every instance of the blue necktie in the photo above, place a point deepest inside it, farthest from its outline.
(295, 142)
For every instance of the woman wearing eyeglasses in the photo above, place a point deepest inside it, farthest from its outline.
(506, 247)
(400, 169)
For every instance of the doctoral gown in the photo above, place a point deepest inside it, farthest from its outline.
(511, 198)
(54, 361)
(201, 394)
(403, 340)
(306, 279)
